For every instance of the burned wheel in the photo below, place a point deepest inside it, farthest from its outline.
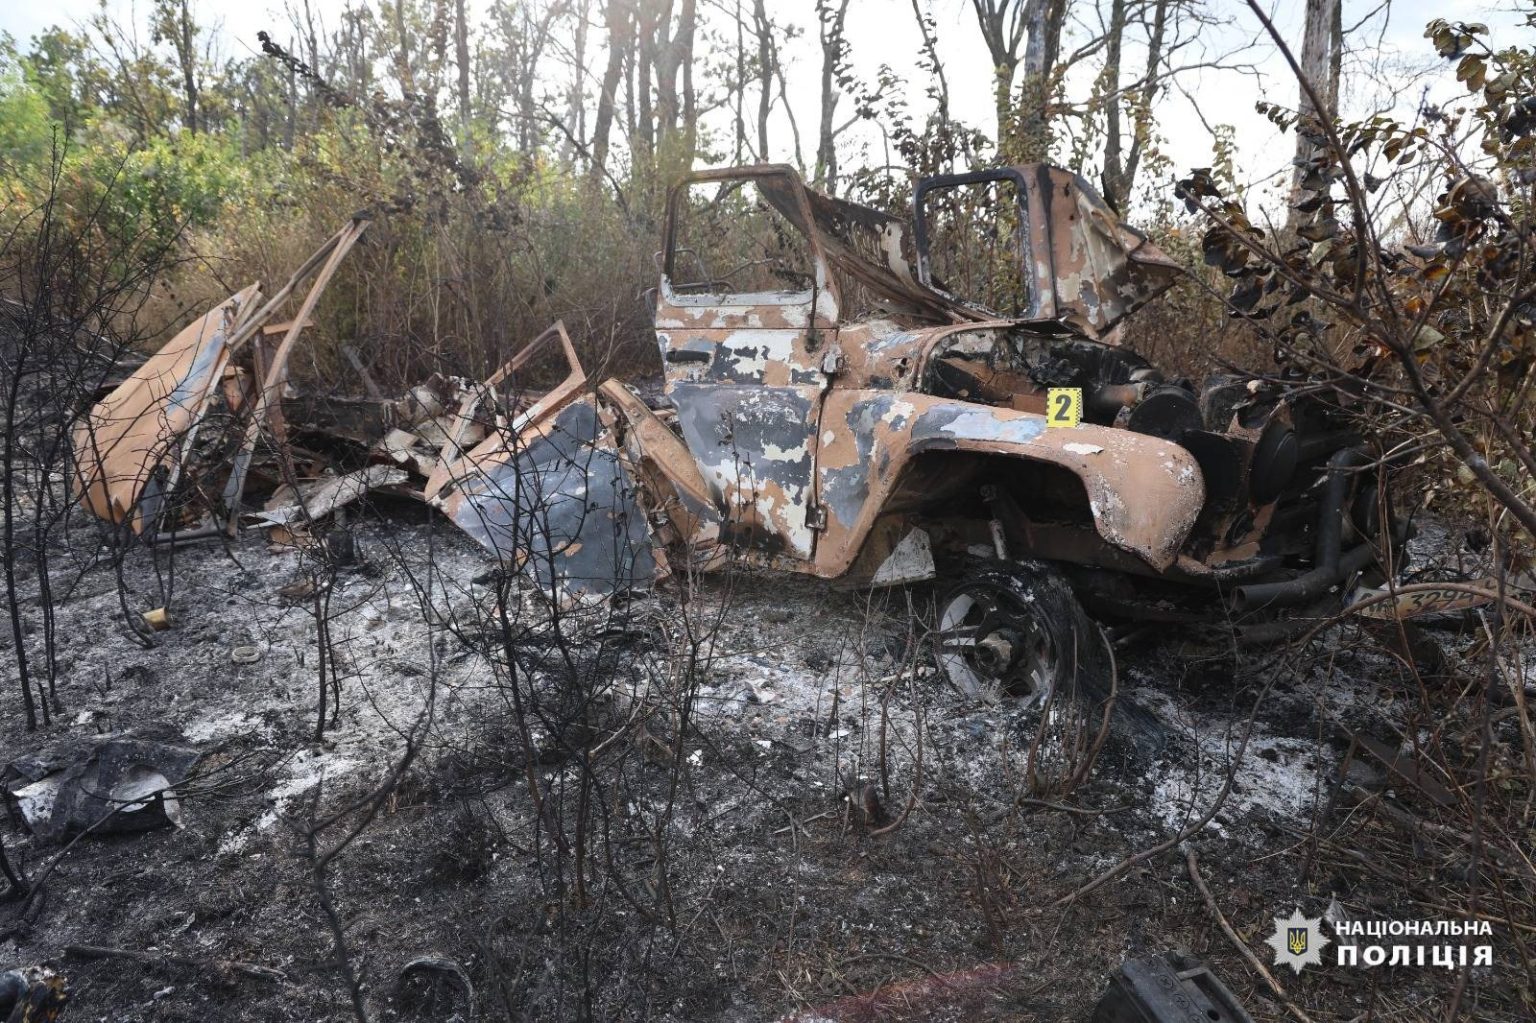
(1018, 629)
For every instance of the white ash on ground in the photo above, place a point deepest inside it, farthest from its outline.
(813, 710)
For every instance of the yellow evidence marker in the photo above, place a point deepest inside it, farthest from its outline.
(1064, 406)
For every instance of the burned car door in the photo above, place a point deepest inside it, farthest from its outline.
(746, 319)
(546, 491)
(1035, 244)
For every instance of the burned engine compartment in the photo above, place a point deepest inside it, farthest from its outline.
(1265, 457)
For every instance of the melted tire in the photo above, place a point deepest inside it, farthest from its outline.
(1086, 675)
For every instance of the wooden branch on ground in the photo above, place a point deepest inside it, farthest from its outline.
(1193, 860)
(96, 952)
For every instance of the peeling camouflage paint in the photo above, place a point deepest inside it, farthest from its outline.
(561, 505)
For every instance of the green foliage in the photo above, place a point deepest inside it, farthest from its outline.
(160, 184)
(26, 131)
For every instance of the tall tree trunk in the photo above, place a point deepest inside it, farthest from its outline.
(1031, 139)
(763, 28)
(312, 40)
(674, 104)
(1002, 28)
(189, 66)
(645, 63)
(620, 43)
(403, 57)
(686, 29)
(1113, 183)
(173, 23)
(833, 44)
(1120, 165)
(575, 109)
(291, 123)
(1322, 45)
(739, 86)
(461, 58)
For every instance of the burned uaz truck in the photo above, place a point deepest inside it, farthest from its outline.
(847, 395)
(842, 403)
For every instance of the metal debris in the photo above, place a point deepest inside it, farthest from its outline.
(1171, 988)
(139, 456)
(319, 498)
(548, 493)
(245, 654)
(118, 784)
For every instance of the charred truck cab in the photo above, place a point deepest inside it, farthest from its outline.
(865, 402)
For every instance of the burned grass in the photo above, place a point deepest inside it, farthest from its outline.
(722, 826)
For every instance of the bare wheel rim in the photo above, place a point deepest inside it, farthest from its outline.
(989, 638)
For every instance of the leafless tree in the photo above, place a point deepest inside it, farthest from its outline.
(831, 18)
(619, 16)
(1122, 160)
(1027, 34)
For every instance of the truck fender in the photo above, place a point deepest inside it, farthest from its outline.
(1144, 492)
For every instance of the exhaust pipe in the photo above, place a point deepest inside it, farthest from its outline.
(1331, 563)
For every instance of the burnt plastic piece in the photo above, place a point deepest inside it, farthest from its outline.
(1171, 988)
(1274, 462)
(1168, 412)
(110, 785)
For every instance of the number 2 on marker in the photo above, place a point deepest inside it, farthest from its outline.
(1064, 406)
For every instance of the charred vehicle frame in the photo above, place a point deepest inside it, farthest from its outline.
(839, 404)
(862, 423)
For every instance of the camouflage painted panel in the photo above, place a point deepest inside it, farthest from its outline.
(562, 507)
(755, 448)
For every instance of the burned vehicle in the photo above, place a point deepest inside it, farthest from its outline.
(848, 396)
(835, 408)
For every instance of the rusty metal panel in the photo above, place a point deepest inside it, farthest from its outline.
(1083, 267)
(869, 248)
(755, 447)
(1144, 493)
(122, 445)
(453, 461)
(555, 501)
(1100, 268)
(548, 492)
(747, 372)
(672, 489)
